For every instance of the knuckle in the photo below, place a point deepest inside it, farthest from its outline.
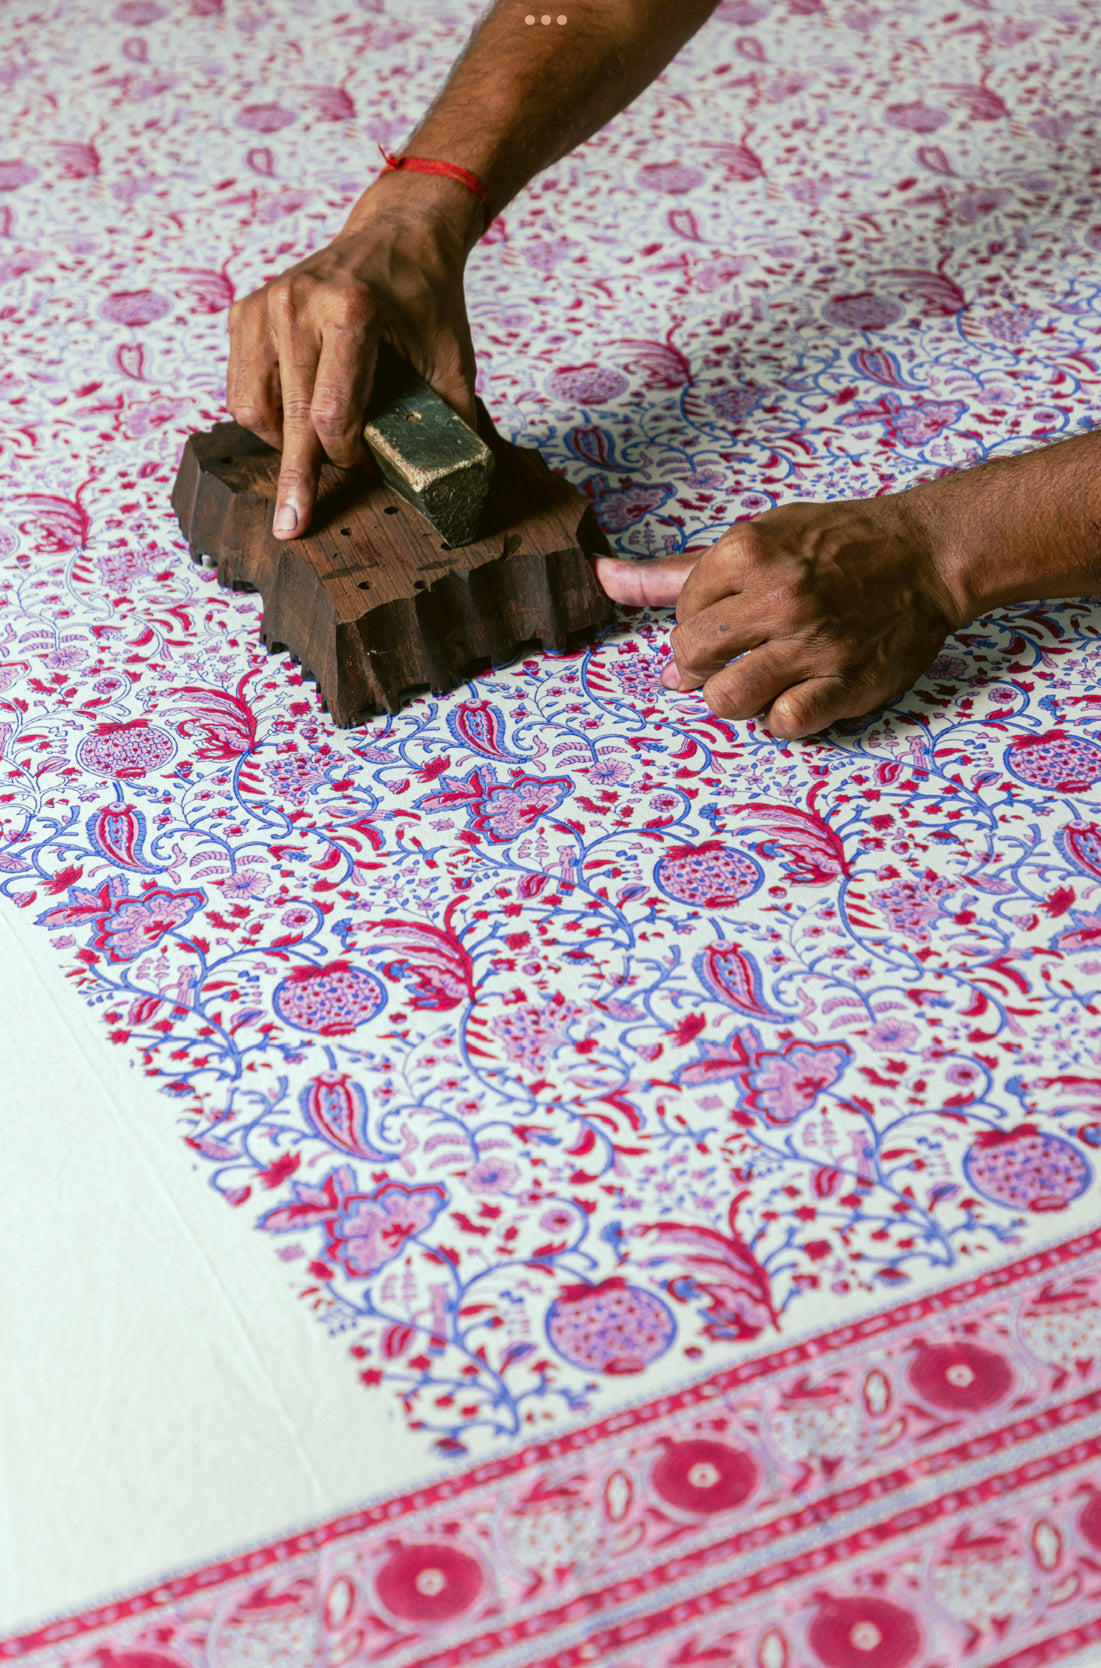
(243, 307)
(348, 306)
(685, 645)
(744, 540)
(296, 413)
(723, 700)
(284, 298)
(331, 417)
(251, 415)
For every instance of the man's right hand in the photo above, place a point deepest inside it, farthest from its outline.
(303, 348)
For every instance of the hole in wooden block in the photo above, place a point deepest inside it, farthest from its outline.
(391, 509)
(365, 584)
(345, 531)
(420, 584)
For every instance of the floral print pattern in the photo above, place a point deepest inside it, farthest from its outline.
(566, 1040)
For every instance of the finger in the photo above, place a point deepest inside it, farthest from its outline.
(653, 584)
(756, 681)
(301, 464)
(705, 643)
(452, 375)
(807, 708)
(720, 572)
(252, 376)
(342, 387)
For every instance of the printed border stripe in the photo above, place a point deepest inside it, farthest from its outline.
(449, 1489)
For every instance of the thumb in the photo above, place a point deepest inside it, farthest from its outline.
(655, 583)
(451, 375)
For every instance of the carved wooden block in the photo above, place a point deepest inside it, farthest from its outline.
(371, 601)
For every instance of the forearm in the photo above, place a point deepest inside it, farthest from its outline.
(1019, 528)
(523, 95)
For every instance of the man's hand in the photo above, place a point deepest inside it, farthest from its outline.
(807, 614)
(303, 348)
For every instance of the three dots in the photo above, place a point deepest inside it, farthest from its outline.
(546, 18)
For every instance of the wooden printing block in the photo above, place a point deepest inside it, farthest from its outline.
(371, 601)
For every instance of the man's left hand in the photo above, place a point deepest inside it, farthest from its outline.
(807, 614)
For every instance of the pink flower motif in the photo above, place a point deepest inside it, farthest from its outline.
(146, 417)
(783, 1085)
(618, 508)
(714, 275)
(15, 174)
(893, 1036)
(976, 205)
(492, 1175)
(374, 1229)
(265, 118)
(913, 903)
(501, 810)
(137, 924)
(915, 118)
(557, 1221)
(139, 13)
(512, 811)
(780, 1084)
(587, 384)
(532, 1032)
(914, 425)
(545, 256)
(134, 307)
(864, 311)
(364, 1230)
(672, 177)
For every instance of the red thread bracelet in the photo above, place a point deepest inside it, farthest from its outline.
(450, 170)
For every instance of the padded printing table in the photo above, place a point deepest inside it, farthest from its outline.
(547, 1176)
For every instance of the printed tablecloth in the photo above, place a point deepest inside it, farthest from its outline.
(690, 1137)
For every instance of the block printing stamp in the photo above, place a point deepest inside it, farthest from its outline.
(456, 553)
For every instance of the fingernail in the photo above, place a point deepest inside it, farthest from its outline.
(670, 676)
(286, 519)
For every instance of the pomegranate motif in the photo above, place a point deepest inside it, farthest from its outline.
(1056, 761)
(125, 750)
(705, 1477)
(1089, 1521)
(1027, 1169)
(863, 312)
(330, 1001)
(135, 307)
(864, 1632)
(961, 1377)
(610, 1328)
(707, 876)
(429, 1583)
